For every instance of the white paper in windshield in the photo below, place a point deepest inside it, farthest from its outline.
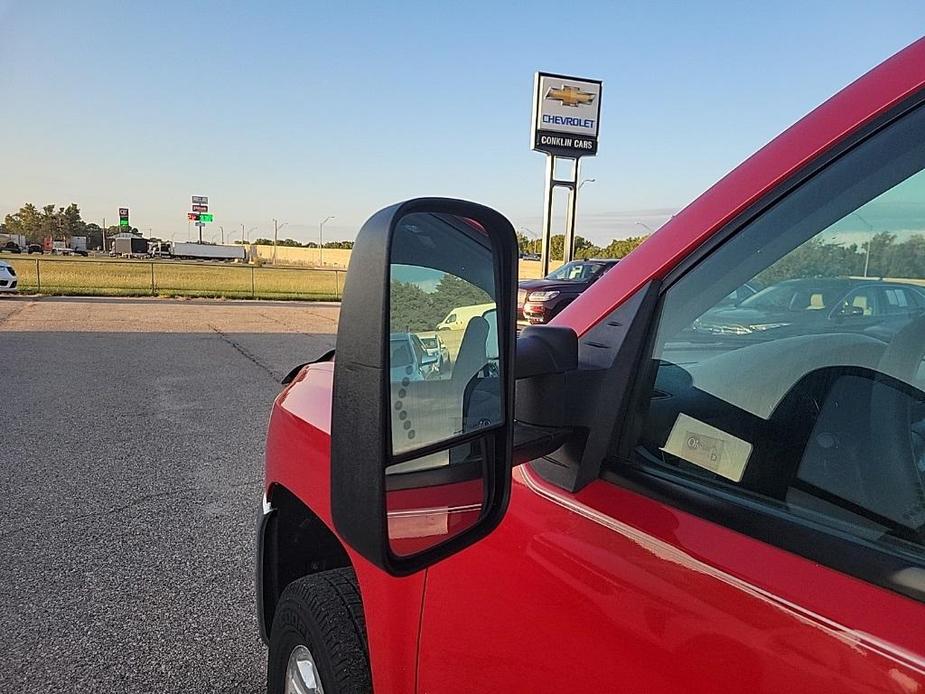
(708, 447)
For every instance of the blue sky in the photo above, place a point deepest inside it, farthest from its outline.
(300, 110)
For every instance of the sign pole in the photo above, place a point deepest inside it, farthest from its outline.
(200, 214)
(552, 183)
(546, 239)
(568, 248)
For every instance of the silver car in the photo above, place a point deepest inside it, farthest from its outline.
(8, 280)
(409, 359)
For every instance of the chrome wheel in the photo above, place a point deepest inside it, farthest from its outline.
(302, 676)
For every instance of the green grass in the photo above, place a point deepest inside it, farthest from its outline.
(108, 277)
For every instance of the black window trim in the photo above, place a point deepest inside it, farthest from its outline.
(737, 510)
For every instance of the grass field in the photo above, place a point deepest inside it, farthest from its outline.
(102, 276)
(111, 277)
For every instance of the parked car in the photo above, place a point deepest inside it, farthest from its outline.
(807, 305)
(633, 516)
(8, 279)
(409, 359)
(10, 247)
(740, 294)
(459, 317)
(435, 347)
(539, 301)
(35, 248)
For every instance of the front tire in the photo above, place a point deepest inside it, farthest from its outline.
(318, 637)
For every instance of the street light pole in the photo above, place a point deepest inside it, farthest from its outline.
(646, 227)
(869, 241)
(276, 227)
(587, 180)
(321, 239)
(223, 234)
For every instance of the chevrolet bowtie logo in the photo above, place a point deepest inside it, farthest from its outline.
(570, 96)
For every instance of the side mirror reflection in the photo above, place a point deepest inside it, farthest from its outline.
(440, 389)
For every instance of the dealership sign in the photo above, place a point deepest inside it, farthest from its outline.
(566, 115)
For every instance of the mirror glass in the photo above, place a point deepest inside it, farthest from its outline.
(443, 342)
(444, 375)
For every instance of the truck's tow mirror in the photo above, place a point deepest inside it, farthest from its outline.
(421, 431)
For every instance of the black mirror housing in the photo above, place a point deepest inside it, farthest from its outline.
(362, 416)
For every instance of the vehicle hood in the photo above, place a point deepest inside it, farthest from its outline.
(551, 285)
(718, 320)
(310, 395)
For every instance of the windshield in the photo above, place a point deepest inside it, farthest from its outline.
(578, 271)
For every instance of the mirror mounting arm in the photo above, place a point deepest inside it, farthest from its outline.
(545, 349)
(546, 362)
(585, 392)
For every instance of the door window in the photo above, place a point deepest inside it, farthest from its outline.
(807, 396)
(861, 302)
(900, 301)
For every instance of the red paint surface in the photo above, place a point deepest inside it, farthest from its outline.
(607, 590)
(298, 458)
(611, 591)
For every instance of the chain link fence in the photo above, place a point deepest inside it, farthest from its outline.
(106, 277)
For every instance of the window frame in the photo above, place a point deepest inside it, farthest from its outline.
(848, 300)
(738, 509)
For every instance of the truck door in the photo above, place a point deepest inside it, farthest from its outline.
(759, 524)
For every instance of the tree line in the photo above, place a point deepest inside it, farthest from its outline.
(882, 256)
(887, 256)
(292, 243)
(36, 223)
(412, 309)
(584, 249)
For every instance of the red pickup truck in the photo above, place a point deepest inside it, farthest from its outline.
(676, 485)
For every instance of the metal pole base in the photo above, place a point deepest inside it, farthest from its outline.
(571, 185)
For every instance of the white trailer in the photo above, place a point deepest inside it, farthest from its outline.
(18, 239)
(207, 251)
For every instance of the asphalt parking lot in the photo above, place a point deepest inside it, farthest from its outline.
(131, 453)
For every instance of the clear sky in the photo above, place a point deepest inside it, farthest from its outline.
(300, 110)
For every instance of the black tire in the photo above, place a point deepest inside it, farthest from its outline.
(324, 613)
